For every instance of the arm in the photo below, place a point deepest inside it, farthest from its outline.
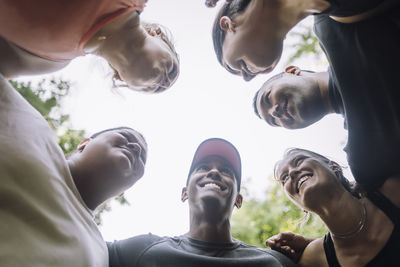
(314, 254)
(127, 252)
(391, 189)
(290, 244)
(304, 251)
(377, 11)
(16, 61)
(213, 3)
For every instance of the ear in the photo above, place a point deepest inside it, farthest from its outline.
(335, 167)
(226, 24)
(151, 32)
(184, 195)
(83, 144)
(293, 70)
(239, 200)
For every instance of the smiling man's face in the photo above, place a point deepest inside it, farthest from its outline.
(291, 101)
(212, 184)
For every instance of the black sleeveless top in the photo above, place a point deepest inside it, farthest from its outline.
(344, 8)
(388, 256)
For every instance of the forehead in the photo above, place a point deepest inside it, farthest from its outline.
(260, 104)
(289, 158)
(218, 161)
(131, 134)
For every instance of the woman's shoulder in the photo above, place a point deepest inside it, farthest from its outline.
(314, 254)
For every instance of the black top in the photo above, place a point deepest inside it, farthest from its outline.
(363, 59)
(182, 251)
(344, 8)
(388, 256)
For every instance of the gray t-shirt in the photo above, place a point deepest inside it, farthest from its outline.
(155, 251)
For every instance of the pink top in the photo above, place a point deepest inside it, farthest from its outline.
(58, 29)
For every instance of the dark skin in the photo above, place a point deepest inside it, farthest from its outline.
(107, 165)
(211, 206)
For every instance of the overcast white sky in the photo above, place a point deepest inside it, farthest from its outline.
(206, 101)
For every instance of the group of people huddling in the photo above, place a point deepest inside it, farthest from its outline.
(47, 200)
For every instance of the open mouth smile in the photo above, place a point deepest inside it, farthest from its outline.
(212, 185)
(129, 154)
(302, 180)
(285, 110)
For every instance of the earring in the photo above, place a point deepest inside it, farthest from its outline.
(101, 38)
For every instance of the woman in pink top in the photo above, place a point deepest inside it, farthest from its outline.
(44, 35)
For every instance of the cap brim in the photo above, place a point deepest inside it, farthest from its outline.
(219, 147)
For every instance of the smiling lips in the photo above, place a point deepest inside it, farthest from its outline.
(129, 154)
(213, 185)
(285, 110)
(302, 180)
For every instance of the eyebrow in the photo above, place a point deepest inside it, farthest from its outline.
(132, 137)
(270, 121)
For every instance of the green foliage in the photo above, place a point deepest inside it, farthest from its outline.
(46, 97)
(70, 140)
(258, 220)
(306, 44)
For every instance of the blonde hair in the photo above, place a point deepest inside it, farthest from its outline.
(163, 33)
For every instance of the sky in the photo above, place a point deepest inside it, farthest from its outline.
(206, 101)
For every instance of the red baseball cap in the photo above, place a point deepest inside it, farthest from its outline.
(222, 148)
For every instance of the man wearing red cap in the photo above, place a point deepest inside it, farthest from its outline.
(212, 190)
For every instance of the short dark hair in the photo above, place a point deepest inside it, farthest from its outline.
(275, 77)
(218, 35)
(116, 129)
(351, 187)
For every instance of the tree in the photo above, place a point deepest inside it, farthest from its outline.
(305, 44)
(46, 97)
(258, 220)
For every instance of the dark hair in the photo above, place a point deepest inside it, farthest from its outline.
(116, 129)
(218, 35)
(351, 187)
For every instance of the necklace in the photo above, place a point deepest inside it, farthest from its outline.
(357, 230)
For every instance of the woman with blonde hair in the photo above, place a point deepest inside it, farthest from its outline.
(363, 226)
(43, 36)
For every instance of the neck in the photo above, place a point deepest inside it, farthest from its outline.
(345, 216)
(89, 193)
(322, 79)
(114, 33)
(210, 229)
(306, 7)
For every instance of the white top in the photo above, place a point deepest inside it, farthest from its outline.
(43, 219)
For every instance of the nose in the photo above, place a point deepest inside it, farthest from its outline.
(135, 148)
(275, 111)
(214, 174)
(293, 173)
(247, 77)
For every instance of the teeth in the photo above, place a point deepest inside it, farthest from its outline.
(302, 179)
(212, 185)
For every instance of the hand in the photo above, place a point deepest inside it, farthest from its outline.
(290, 244)
(213, 3)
